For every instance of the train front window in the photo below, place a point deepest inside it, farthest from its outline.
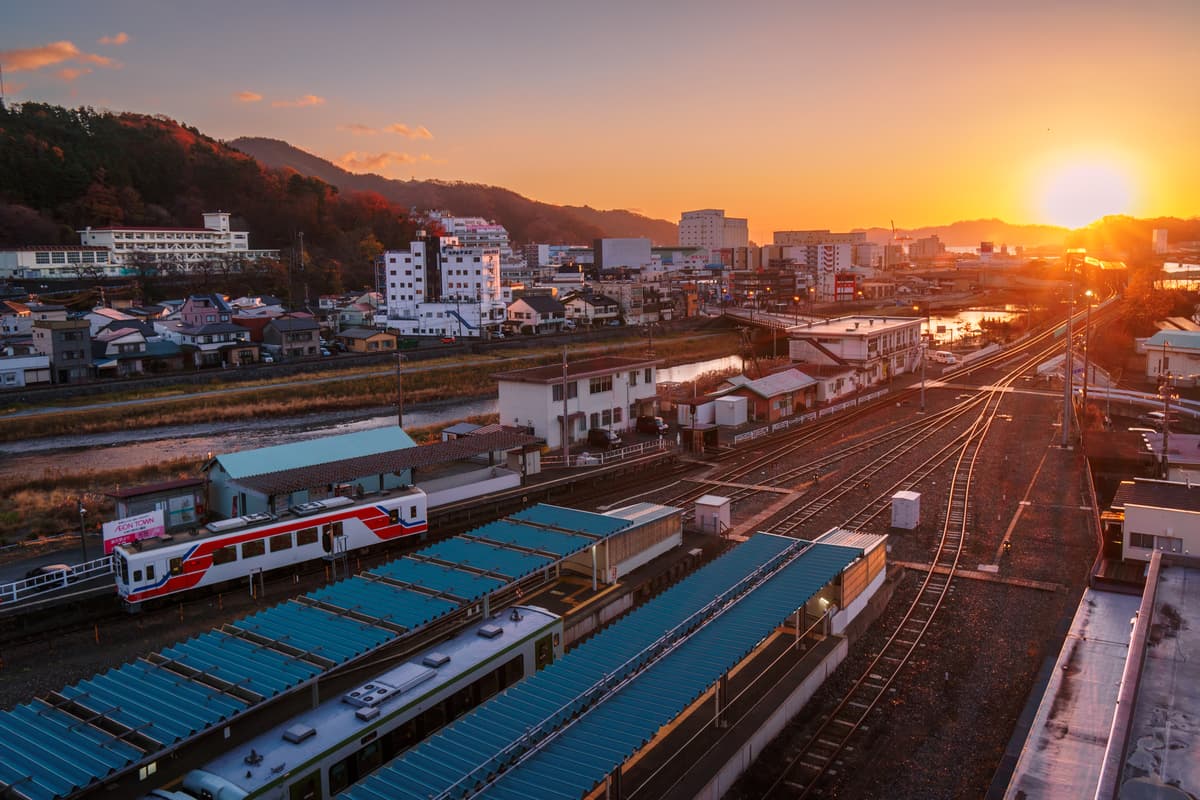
(123, 568)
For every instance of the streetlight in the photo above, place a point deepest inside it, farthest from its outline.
(796, 308)
(82, 531)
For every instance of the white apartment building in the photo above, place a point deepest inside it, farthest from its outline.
(711, 230)
(631, 253)
(54, 262)
(472, 231)
(819, 237)
(606, 392)
(440, 288)
(184, 248)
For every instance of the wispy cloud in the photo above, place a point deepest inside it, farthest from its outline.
(118, 40)
(47, 55)
(358, 129)
(247, 97)
(299, 102)
(71, 73)
(373, 162)
(419, 132)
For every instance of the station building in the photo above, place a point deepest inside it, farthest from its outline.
(876, 348)
(1149, 516)
(606, 392)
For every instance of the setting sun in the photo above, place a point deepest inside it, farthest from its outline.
(1076, 195)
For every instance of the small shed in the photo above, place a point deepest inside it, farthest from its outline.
(906, 510)
(713, 513)
(731, 411)
(181, 501)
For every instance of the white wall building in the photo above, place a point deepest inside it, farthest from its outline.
(54, 262)
(615, 253)
(1159, 240)
(17, 371)
(185, 248)
(606, 392)
(472, 231)
(876, 348)
(1158, 515)
(711, 230)
(440, 288)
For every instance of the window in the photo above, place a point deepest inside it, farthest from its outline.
(412, 512)
(1143, 540)
(616, 414)
(606, 417)
(226, 555)
(149, 572)
(633, 376)
(601, 384)
(176, 565)
(306, 536)
(572, 391)
(595, 420)
(649, 375)
(281, 542)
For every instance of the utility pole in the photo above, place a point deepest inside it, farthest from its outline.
(1087, 353)
(566, 426)
(1068, 376)
(400, 390)
(82, 531)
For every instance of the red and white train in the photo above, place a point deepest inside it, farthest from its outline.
(232, 549)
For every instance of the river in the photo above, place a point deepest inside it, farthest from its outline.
(142, 446)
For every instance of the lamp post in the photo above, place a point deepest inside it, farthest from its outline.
(796, 309)
(1087, 353)
(812, 298)
(82, 531)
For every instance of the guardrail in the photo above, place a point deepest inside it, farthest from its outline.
(31, 587)
(602, 457)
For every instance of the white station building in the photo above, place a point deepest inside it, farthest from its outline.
(875, 347)
(607, 392)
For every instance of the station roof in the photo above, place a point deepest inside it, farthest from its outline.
(72, 738)
(1157, 494)
(489, 737)
(407, 457)
(298, 455)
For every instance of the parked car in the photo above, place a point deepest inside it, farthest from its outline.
(568, 324)
(325, 352)
(449, 340)
(49, 569)
(602, 437)
(267, 358)
(648, 424)
(943, 357)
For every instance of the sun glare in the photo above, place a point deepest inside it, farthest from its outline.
(1079, 194)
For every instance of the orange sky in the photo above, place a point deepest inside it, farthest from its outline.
(794, 115)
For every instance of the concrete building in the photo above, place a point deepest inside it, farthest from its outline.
(54, 262)
(606, 392)
(866, 254)
(812, 237)
(1159, 241)
(181, 248)
(67, 343)
(440, 288)
(18, 371)
(15, 319)
(876, 348)
(926, 249)
(1173, 353)
(712, 231)
(472, 231)
(615, 253)
(1156, 515)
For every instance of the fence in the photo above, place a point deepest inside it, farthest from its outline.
(606, 456)
(30, 587)
(811, 416)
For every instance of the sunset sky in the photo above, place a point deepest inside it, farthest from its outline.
(794, 114)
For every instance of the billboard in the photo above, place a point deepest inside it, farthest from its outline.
(132, 529)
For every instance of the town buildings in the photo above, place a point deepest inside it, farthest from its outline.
(182, 249)
(438, 287)
(710, 230)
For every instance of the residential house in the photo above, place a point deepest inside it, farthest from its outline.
(101, 317)
(773, 397)
(15, 319)
(67, 344)
(117, 351)
(876, 348)
(535, 313)
(46, 311)
(27, 370)
(204, 309)
(366, 340)
(592, 309)
(293, 336)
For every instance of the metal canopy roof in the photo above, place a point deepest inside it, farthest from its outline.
(489, 736)
(572, 764)
(84, 733)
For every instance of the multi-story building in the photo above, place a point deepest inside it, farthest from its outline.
(819, 237)
(926, 249)
(606, 392)
(67, 343)
(866, 254)
(876, 348)
(536, 313)
(15, 319)
(438, 287)
(711, 230)
(54, 262)
(472, 231)
(182, 248)
(615, 253)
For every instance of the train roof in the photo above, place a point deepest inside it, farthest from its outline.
(251, 521)
(303, 738)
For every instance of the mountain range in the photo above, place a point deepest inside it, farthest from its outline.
(526, 220)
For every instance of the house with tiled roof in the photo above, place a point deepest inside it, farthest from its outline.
(366, 340)
(15, 319)
(535, 313)
(293, 336)
(773, 397)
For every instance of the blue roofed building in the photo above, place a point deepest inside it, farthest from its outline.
(268, 479)
(1172, 355)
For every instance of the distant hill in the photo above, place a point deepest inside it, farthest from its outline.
(969, 233)
(526, 220)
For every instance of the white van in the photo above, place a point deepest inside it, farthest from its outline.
(943, 357)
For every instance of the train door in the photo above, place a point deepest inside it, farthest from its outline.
(307, 788)
(543, 651)
(121, 563)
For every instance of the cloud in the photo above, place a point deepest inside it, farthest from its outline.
(118, 40)
(419, 132)
(247, 97)
(71, 73)
(358, 129)
(373, 162)
(299, 102)
(31, 58)
(15, 88)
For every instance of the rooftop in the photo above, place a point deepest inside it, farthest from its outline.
(1157, 494)
(324, 450)
(582, 368)
(853, 325)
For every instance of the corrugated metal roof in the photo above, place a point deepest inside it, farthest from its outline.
(848, 538)
(118, 718)
(614, 729)
(546, 541)
(314, 451)
(570, 519)
(485, 737)
(643, 513)
(1179, 340)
